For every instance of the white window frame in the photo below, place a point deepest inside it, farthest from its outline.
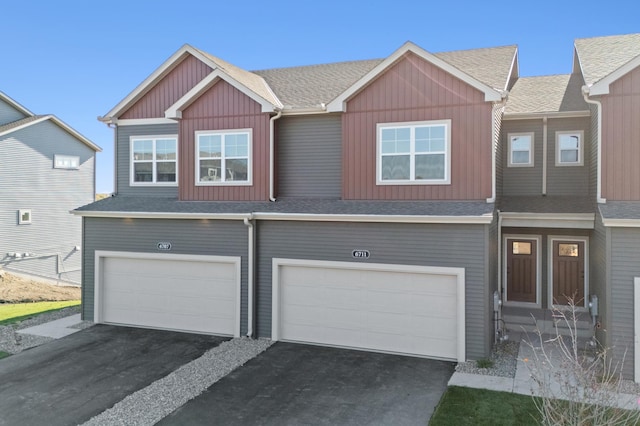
(59, 160)
(223, 181)
(412, 125)
(21, 213)
(580, 135)
(511, 136)
(153, 182)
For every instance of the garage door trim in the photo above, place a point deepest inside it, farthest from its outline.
(98, 285)
(459, 273)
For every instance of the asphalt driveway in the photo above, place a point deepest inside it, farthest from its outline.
(70, 380)
(300, 384)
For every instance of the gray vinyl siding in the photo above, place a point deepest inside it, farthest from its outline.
(593, 149)
(9, 114)
(561, 180)
(498, 146)
(625, 266)
(522, 180)
(123, 159)
(598, 278)
(28, 180)
(568, 180)
(462, 246)
(309, 152)
(200, 237)
(491, 275)
(545, 233)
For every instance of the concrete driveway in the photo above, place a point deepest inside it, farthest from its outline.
(300, 384)
(68, 381)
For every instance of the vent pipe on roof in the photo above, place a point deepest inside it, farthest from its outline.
(271, 154)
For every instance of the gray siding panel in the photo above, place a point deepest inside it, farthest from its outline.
(201, 237)
(491, 275)
(568, 180)
(29, 181)
(430, 245)
(9, 114)
(625, 252)
(522, 180)
(309, 152)
(598, 274)
(123, 162)
(563, 180)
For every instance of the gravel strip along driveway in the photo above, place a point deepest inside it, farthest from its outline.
(153, 403)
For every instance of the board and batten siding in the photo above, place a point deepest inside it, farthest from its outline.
(624, 267)
(415, 90)
(123, 159)
(460, 246)
(309, 156)
(199, 237)
(620, 139)
(223, 107)
(28, 180)
(9, 114)
(167, 91)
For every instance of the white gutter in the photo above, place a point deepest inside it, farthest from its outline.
(271, 154)
(161, 215)
(250, 274)
(544, 154)
(598, 104)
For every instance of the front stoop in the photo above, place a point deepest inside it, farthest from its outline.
(528, 322)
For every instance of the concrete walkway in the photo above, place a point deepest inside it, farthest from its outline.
(524, 384)
(54, 329)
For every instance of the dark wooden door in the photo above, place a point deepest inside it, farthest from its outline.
(522, 270)
(568, 272)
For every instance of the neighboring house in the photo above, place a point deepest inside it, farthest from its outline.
(375, 204)
(48, 169)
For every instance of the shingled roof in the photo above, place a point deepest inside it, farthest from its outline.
(600, 56)
(546, 94)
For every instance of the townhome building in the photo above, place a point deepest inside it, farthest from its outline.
(421, 204)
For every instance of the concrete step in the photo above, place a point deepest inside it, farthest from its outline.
(584, 329)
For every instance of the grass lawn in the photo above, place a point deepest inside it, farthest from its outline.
(467, 406)
(4, 354)
(14, 312)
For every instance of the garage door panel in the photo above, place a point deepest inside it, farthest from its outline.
(171, 293)
(370, 307)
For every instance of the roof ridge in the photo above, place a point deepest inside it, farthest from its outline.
(320, 65)
(608, 36)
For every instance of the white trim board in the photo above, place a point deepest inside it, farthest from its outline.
(548, 220)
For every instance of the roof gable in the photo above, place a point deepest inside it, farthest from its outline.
(550, 94)
(603, 60)
(245, 80)
(339, 103)
(35, 119)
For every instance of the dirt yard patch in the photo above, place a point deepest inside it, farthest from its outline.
(14, 289)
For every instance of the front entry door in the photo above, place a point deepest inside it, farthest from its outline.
(522, 270)
(568, 272)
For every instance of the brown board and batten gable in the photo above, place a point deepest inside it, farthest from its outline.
(415, 89)
(224, 107)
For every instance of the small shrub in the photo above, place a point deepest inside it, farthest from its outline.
(484, 363)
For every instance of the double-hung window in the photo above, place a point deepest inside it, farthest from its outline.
(520, 149)
(154, 160)
(223, 157)
(414, 153)
(569, 148)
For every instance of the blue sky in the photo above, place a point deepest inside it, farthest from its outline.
(77, 59)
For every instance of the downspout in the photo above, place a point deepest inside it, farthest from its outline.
(494, 141)
(500, 293)
(250, 278)
(598, 104)
(115, 157)
(271, 153)
(544, 155)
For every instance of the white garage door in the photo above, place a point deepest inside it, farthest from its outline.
(391, 308)
(187, 293)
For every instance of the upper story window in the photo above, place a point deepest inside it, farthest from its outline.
(569, 148)
(154, 160)
(414, 153)
(223, 157)
(66, 162)
(520, 149)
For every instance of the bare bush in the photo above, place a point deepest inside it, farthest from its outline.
(576, 386)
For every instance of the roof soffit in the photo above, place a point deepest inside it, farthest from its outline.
(339, 103)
